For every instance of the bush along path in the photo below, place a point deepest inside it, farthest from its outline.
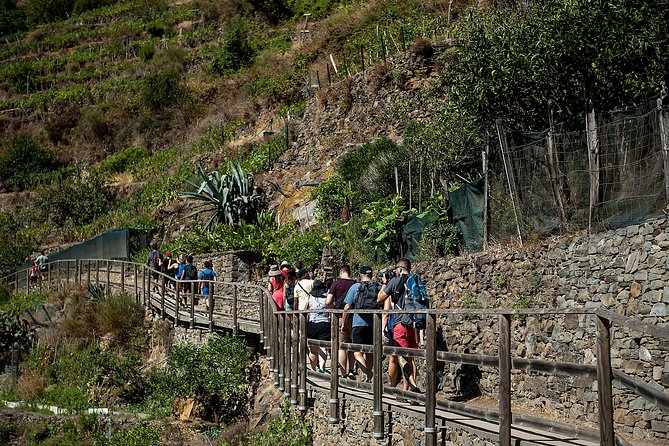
(100, 359)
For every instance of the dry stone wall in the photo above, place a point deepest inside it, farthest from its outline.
(625, 270)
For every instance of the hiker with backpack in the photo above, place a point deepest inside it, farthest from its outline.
(362, 296)
(335, 299)
(407, 292)
(155, 262)
(289, 289)
(207, 275)
(170, 267)
(188, 273)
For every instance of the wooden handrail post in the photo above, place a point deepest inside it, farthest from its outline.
(295, 355)
(261, 304)
(334, 373)
(281, 342)
(108, 278)
(178, 292)
(97, 272)
(234, 309)
(430, 380)
(303, 363)
(378, 376)
(136, 280)
(286, 355)
(505, 380)
(67, 279)
(212, 304)
(162, 297)
(122, 264)
(88, 273)
(604, 378)
(144, 286)
(192, 306)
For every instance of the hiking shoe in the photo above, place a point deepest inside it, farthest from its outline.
(415, 389)
(368, 376)
(351, 375)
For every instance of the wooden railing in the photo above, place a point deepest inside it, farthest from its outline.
(250, 308)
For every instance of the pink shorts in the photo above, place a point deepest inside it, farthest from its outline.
(404, 336)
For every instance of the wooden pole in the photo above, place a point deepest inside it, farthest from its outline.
(362, 58)
(593, 160)
(212, 304)
(378, 376)
(261, 304)
(97, 272)
(281, 342)
(604, 379)
(122, 264)
(136, 280)
(553, 167)
(327, 67)
(334, 373)
(295, 355)
(234, 310)
(303, 363)
(510, 175)
(192, 306)
(505, 380)
(430, 380)
(177, 305)
(286, 355)
(663, 116)
(162, 298)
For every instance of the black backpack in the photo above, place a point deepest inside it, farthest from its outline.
(190, 272)
(290, 295)
(365, 297)
(207, 276)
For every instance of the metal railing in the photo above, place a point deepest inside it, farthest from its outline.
(250, 308)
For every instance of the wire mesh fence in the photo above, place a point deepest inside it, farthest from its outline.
(565, 182)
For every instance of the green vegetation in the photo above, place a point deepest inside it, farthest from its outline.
(231, 199)
(288, 430)
(122, 161)
(24, 164)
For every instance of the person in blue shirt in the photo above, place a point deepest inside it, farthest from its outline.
(363, 324)
(209, 276)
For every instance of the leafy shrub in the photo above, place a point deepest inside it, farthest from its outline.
(93, 126)
(288, 430)
(440, 237)
(214, 374)
(12, 19)
(89, 5)
(79, 200)
(235, 51)
(122, 161)
(24, 163)
(306, 247)
(147, 52)
(121, 317)
(16, 244)
(138, 435)
(162, 88)
(46, 11)
(155, 29)
(14, 333)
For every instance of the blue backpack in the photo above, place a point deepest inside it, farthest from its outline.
(414, 297)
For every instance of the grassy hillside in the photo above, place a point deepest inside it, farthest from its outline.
(105, 105)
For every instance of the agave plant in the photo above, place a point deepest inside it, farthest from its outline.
(230, 199)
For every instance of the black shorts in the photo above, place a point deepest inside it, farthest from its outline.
(318, 330)
(362, 335)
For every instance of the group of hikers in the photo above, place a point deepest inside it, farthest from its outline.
(39, 268)
(397, 288)
(183, 269)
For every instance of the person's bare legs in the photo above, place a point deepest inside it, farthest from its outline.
(393, 370)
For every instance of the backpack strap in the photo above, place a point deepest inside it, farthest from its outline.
(400, 291)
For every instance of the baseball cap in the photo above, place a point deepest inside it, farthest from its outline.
(366, 270)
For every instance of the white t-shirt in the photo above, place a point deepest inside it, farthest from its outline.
(302, 290)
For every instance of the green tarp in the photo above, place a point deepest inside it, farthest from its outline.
(465, 211)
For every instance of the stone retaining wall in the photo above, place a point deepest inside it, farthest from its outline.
(625, 270)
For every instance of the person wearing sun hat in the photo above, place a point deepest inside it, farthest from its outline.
(285, 267)
(275, 286)
(318, 326)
